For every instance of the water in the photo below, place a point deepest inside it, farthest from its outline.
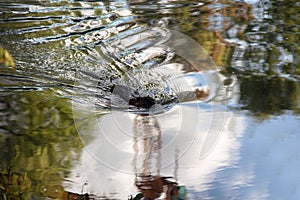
(110, 101)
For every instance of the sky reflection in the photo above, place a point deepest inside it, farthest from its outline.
(115, 156)
(268, 156)
(246, 147)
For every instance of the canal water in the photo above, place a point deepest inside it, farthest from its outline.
(150, 100)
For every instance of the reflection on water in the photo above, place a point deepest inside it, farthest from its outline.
(238, 142)
(155, 155)
(147, 150)
(38, 141)
(278, 94)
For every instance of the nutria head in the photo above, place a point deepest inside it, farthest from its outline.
(142, 102)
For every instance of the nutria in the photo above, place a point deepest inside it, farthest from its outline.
(132, 97)
(142, 102)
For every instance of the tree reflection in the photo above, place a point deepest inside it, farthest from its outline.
(147, 161)
(38, 138)
(272, 41)
(269, 95)
(252, 38)
(38, 143)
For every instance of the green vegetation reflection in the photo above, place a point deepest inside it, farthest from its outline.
(264, 95)
(38, 142)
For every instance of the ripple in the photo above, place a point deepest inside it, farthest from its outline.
(114, 48)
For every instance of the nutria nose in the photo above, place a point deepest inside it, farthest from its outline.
(142, 102)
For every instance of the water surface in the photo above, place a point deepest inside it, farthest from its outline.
(61, 139)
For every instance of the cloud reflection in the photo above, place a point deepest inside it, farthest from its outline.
(128, 149)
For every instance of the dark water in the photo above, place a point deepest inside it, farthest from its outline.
(74, 121)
